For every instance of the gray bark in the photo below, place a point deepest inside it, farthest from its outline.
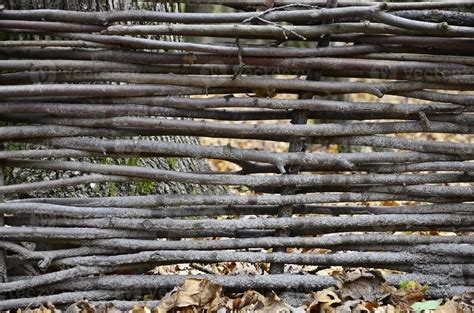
(17, 175)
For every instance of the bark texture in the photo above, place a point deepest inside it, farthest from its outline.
(18, 175)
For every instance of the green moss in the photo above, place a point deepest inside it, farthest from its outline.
(143, 188)
(346, 149)
(8, 171)
(411, 285)
(112, 189)
(105, 160)
(3, 36)
(195, 191)
(96, 188)
(172, 162)
(12, 146)
(244, 189)
(133, 161)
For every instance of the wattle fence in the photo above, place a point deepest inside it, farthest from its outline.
(79, 90)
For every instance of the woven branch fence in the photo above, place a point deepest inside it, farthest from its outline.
(99, 84)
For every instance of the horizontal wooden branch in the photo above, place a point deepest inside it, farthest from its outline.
(411, 244)
(404, 56)
(49, 26)
(268, 132)
(146, 86)
(307, 224)
(53, 43)
(390, 24)
(454, 44)
(49, 278)
(118, 283)
(320, 105)
(416, 167)
(342, 3)
(106, 18)
(243, 131)
(252, 83)
(146, 57)
(316, 15)
(17, 112)
(365, 259)
(408, 41)
(62, 298)
(111, 61)
(265, 103)
(457, 192)
(44, 258)
(253, 168)
(188, 200)
(402, 143)
(318, 160)
(332, 242)
(438, 16)
(436, 81)
(41, 211)
(47, 153)
(63, 182)
(402, 27)
(413, 192)
(229, 179)
(426, 27)
(48, 233)
(86, 90)
(9, 132)
(211, 152)
(464, 99)
(428, 71)
(243, 282)
(443, 112)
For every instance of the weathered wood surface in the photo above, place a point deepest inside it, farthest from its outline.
(87, 109)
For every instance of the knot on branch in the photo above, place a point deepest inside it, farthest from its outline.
(443, 26)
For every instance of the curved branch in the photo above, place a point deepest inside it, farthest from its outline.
(40, 211)
(252, 181)
(62, 298)
(306, 225)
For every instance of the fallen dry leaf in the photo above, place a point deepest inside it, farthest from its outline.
(390, 203)
(409, 293)
(352, 306)
(140, 309)
(387, 309)
(274, 304)
(252, 301)
(466, 298)
(250, 298)
(358, 284)
(449, 307)
(48, 308)
(426, 306)
(324, 301)
(194, 292)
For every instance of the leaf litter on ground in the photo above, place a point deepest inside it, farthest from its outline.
(357, 290)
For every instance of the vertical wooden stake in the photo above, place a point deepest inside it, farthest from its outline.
(298, 145)
(3, 259)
